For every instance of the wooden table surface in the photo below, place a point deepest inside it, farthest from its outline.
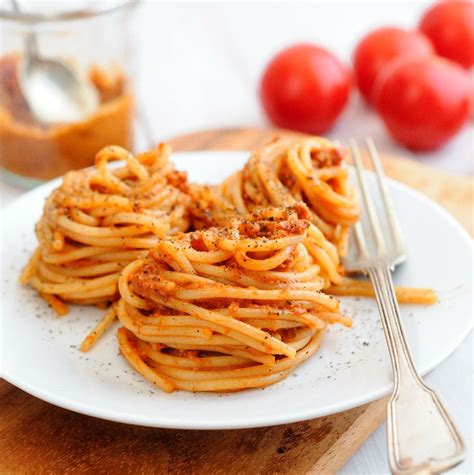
(38, 437)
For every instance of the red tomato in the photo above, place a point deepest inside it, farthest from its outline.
(305, 88)
(423, 101)
(450, 27)
(472, 96)
(379, 48)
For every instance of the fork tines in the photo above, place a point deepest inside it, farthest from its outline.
(389, 251)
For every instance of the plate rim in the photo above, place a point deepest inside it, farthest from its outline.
(205, 424)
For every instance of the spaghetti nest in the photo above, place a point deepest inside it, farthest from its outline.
(99, 220)
(282, 173)
(227, 308)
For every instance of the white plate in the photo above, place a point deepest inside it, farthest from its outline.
(41, 353)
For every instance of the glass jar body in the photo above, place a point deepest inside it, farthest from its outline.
(97, 48)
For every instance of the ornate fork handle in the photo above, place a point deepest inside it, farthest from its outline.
(421, 435)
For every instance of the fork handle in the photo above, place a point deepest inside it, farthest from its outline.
(421, 436)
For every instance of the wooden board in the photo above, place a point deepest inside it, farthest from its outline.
(38, 437)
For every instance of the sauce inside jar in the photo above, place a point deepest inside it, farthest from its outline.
(31, 150)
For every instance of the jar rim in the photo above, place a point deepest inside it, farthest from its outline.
(80, 14)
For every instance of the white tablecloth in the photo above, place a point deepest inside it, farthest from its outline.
(198, 66)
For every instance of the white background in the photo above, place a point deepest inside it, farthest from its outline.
(198, 66)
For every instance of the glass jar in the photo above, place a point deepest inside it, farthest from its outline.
(95, 43)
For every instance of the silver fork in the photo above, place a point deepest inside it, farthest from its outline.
(421, 436)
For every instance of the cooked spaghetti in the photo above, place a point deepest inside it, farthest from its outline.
(236, 303)
(281, 174)
(285, 172)
(226, 308)
(99, 220)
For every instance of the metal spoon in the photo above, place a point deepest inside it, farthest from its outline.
(54, 92)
